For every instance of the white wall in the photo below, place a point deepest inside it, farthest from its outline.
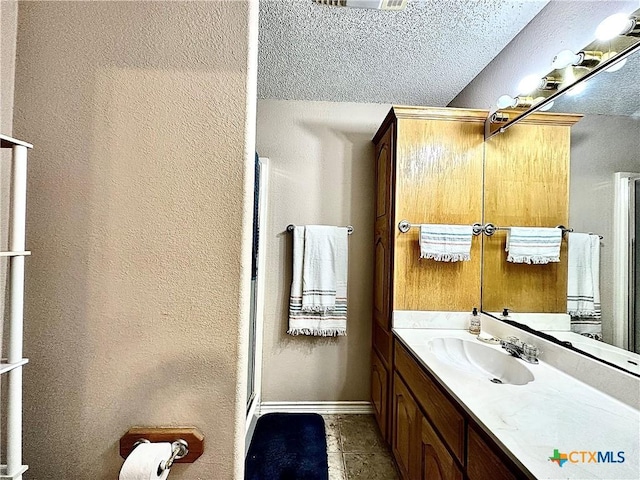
(322, 172)
(139, 221)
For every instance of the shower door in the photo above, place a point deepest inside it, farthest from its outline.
(257, 285)
(634, 293)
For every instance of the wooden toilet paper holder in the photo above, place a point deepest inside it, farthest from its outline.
(191, 435)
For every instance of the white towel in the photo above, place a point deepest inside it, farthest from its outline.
(583, 282)
(318, 302)
(533, 245)
(446, 243)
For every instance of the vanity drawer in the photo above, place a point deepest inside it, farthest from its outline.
(442, 414)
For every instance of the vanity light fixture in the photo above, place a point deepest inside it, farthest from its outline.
(566, 58)
(532, 83)
(617, 37)
(499, 117)
(529, 84)
(507, 101)
(369, 4)
(618, 24)
(549, 83)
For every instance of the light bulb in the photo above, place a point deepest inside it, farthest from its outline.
(577, 89)
(616, 66)
(548, 106)
(615, 25)
(506, 101)
(529, 84)
(565, 58)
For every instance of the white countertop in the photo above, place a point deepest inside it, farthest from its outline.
(555, 411)
(617, 356)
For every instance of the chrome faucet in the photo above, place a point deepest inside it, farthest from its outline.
(517, 348)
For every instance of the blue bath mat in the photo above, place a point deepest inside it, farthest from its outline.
(288, 446)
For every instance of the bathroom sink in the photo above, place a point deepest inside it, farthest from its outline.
(480, 360)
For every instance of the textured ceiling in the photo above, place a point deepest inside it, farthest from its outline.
(423, 55)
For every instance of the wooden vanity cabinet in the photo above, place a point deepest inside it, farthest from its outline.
(382, 338)
(433, 438)
(428, 165)
(406, 418)
(419, 452)
(380, 387)
(484, 463)
(433, 166)
(435, 461)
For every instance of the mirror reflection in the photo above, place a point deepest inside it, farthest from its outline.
(616, 38)
(604, 196)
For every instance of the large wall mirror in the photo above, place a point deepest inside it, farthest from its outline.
(604, 200)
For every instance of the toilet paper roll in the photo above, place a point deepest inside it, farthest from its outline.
(143, 462)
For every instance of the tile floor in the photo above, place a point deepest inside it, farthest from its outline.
(356, 450)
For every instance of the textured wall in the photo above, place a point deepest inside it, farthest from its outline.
(322, 171)
(600, 146)
(8, 26)
(136, 292)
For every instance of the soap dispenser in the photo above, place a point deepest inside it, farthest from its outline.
(474, 322)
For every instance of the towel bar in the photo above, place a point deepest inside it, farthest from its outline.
(404, 226)
(489, 229)
(291, 226)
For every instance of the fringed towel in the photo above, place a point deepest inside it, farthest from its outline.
(446, 243)
(533, 245)
(587, 326)
(318, 302)
(583, 282)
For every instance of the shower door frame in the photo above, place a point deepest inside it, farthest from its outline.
(253, 404)
(624, 226)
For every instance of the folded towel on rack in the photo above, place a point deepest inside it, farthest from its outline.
(318, 301)
(446, 243)
(533, 245)
(583, 278)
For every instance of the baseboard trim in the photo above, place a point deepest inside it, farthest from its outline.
(317, 407)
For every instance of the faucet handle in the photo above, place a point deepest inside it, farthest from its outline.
(511, 345)
(530, 352)
(514, 341)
